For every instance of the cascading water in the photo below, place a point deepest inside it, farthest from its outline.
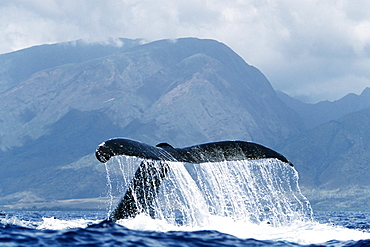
(257, 191)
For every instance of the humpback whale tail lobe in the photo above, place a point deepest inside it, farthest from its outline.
(143, 189)
(203, 153)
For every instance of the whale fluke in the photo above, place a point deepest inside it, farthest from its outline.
(144, 187)
(208, 152)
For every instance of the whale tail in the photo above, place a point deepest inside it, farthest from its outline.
(144, 187)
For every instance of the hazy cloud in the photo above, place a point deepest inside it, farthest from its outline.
(308, 48)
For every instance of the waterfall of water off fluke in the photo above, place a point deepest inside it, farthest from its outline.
(257, 191)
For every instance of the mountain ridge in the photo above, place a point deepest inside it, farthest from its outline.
(38, 58)
(324, 111)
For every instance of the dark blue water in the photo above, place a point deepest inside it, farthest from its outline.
(89, 229)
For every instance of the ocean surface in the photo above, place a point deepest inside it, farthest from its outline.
(88, 228)
(234, 203)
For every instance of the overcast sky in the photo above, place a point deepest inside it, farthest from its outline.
(311, 49)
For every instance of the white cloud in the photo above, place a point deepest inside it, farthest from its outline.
(308, 48)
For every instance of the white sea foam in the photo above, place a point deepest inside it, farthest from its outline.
(52, 223)
(302, 232)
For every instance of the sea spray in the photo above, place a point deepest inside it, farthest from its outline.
(259, 191)
(110, 189)
(181, 201)
(119, 173)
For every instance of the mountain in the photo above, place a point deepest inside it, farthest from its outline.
(58, 102)
(332, 154)
(324, 111)
(19, 65)
(184, 92)
(333, 162)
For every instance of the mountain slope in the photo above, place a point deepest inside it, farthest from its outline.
(322, 112)
(19, 65)
(333, 160)
(184, 92)
(130, 85)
